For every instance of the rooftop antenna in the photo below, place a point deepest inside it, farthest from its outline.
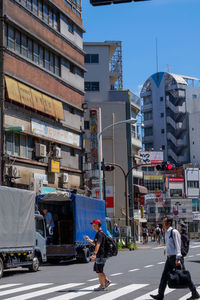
(156, 55)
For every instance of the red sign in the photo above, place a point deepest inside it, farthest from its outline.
(158, 194)
(176, 179)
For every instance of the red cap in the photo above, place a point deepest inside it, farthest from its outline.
(96, 222)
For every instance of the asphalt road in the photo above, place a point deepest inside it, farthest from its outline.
(134, 275)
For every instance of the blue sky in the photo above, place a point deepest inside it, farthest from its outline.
(175, 24)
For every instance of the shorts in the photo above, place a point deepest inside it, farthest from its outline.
(99, 265)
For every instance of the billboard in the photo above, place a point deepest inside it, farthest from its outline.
(151, 157)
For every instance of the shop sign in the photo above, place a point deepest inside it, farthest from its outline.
(54, 166)
(176, 179)
(196, 217)
(42, 177)
(109, 196)
(151, 157)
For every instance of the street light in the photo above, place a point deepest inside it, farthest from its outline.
(129, 121)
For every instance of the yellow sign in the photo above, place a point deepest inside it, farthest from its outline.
(153, 177)
(25, 95)
(54, 166)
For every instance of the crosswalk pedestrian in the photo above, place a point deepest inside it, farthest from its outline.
(83, 291)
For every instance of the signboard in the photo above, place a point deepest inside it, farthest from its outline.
(175, 212)
(55, 133)
(109, 196)
(93, 137)
(54, 166)
(150, 157)
(153, 177)
(196, 217)
(176, 179)
(42, 177)
(155, 196)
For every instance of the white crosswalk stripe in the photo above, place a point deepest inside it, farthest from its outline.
(154, 292)
(189, 294)
(23, 288)
(44, 291)
(5, 286)
(76, 294)
(121, 292)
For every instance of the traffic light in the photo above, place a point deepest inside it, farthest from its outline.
(109, 168)
(107, 2)
(165, 166)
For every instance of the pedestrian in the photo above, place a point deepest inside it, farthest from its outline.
(49, 225)
(158, 232)
(174, 259)
(145, 235)
(116, 232)
(99, 255)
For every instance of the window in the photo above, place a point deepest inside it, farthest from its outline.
(162, 130)
(29, 4)
(11, 38)
(148, 131)
(28, 48)
(45, 13)
(194, 96)
(39, 224)
(193, 184)
(160, 210)
(35, 7)
(167, 210)
(161, 99)
(147, 100)
(72, 68)
(19, 145)
(50, 17)
(148, 146)
(40, 9)
(72, 152)
(86, 125)
(91, 86)
(71, 110)
(92, 58)
(161, 115)
(148, 116)
(70, 26)
(152, 210)
(16, 147)
(176, 193)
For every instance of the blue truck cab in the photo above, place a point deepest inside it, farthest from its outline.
(72, 215)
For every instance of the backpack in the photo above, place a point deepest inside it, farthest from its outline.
(185, 242)
(110, 248)
(158, 231)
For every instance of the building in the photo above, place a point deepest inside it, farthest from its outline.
(42, 91)
(166, 98)
(120, 144)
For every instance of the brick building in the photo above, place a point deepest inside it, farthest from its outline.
(41, 91)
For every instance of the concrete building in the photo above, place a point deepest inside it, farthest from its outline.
(42, 91)
(104, 92)
(166, 98)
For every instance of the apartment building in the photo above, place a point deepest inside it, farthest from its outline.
(166, 98)
(42, 91)
(120, 144)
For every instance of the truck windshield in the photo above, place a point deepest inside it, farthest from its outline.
(39, 226)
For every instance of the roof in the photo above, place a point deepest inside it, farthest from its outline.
(179, 79)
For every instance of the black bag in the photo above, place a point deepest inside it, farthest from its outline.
(110, 248)
(185, 242)
(179, 279)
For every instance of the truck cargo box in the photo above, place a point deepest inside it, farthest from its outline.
(17, 225)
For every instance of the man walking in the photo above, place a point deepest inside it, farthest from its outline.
(98, 255)
(174, 258)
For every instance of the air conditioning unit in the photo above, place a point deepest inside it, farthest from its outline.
(40, 150)
(57, 152)
(13, 172)
(65, 177)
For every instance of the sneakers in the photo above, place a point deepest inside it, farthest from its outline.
(99, 289)
(107, 283)
(195, 296)
(157, 297)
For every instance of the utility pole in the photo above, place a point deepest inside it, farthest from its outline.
(2, 94)
(104, 181)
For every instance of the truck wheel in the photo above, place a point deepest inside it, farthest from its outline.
(1, 268)
(35, 264)
(86, 255)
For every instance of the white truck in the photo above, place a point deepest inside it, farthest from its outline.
(22, 231)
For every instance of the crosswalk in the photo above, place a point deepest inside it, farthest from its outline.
(82, 291)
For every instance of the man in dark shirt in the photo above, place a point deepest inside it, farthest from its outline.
(98, 255)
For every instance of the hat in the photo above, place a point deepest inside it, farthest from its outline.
(95, 221)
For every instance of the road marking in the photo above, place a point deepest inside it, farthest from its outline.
(193, 247)
(149, 266)
(147, 296)
(116, 274)
(161, 263)
(44, 292)
(5, 286)
(134, 270)
(187, 295)
(156, 248)
(120, 292)
(94, 279)
(24, 288)
(191, 256)
(198, 254)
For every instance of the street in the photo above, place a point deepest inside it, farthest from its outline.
(134, 274)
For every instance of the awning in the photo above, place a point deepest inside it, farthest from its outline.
(139, 189)
(29, 97)
(140, 220)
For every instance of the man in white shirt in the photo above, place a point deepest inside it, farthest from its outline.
(174, 258)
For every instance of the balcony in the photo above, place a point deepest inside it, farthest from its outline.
(135, 140)
(147, 107)
(147, 139)
(148, 123)
(145, 93)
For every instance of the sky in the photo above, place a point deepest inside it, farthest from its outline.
(174, 23)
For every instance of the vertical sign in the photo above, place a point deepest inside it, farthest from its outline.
(93, 137)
